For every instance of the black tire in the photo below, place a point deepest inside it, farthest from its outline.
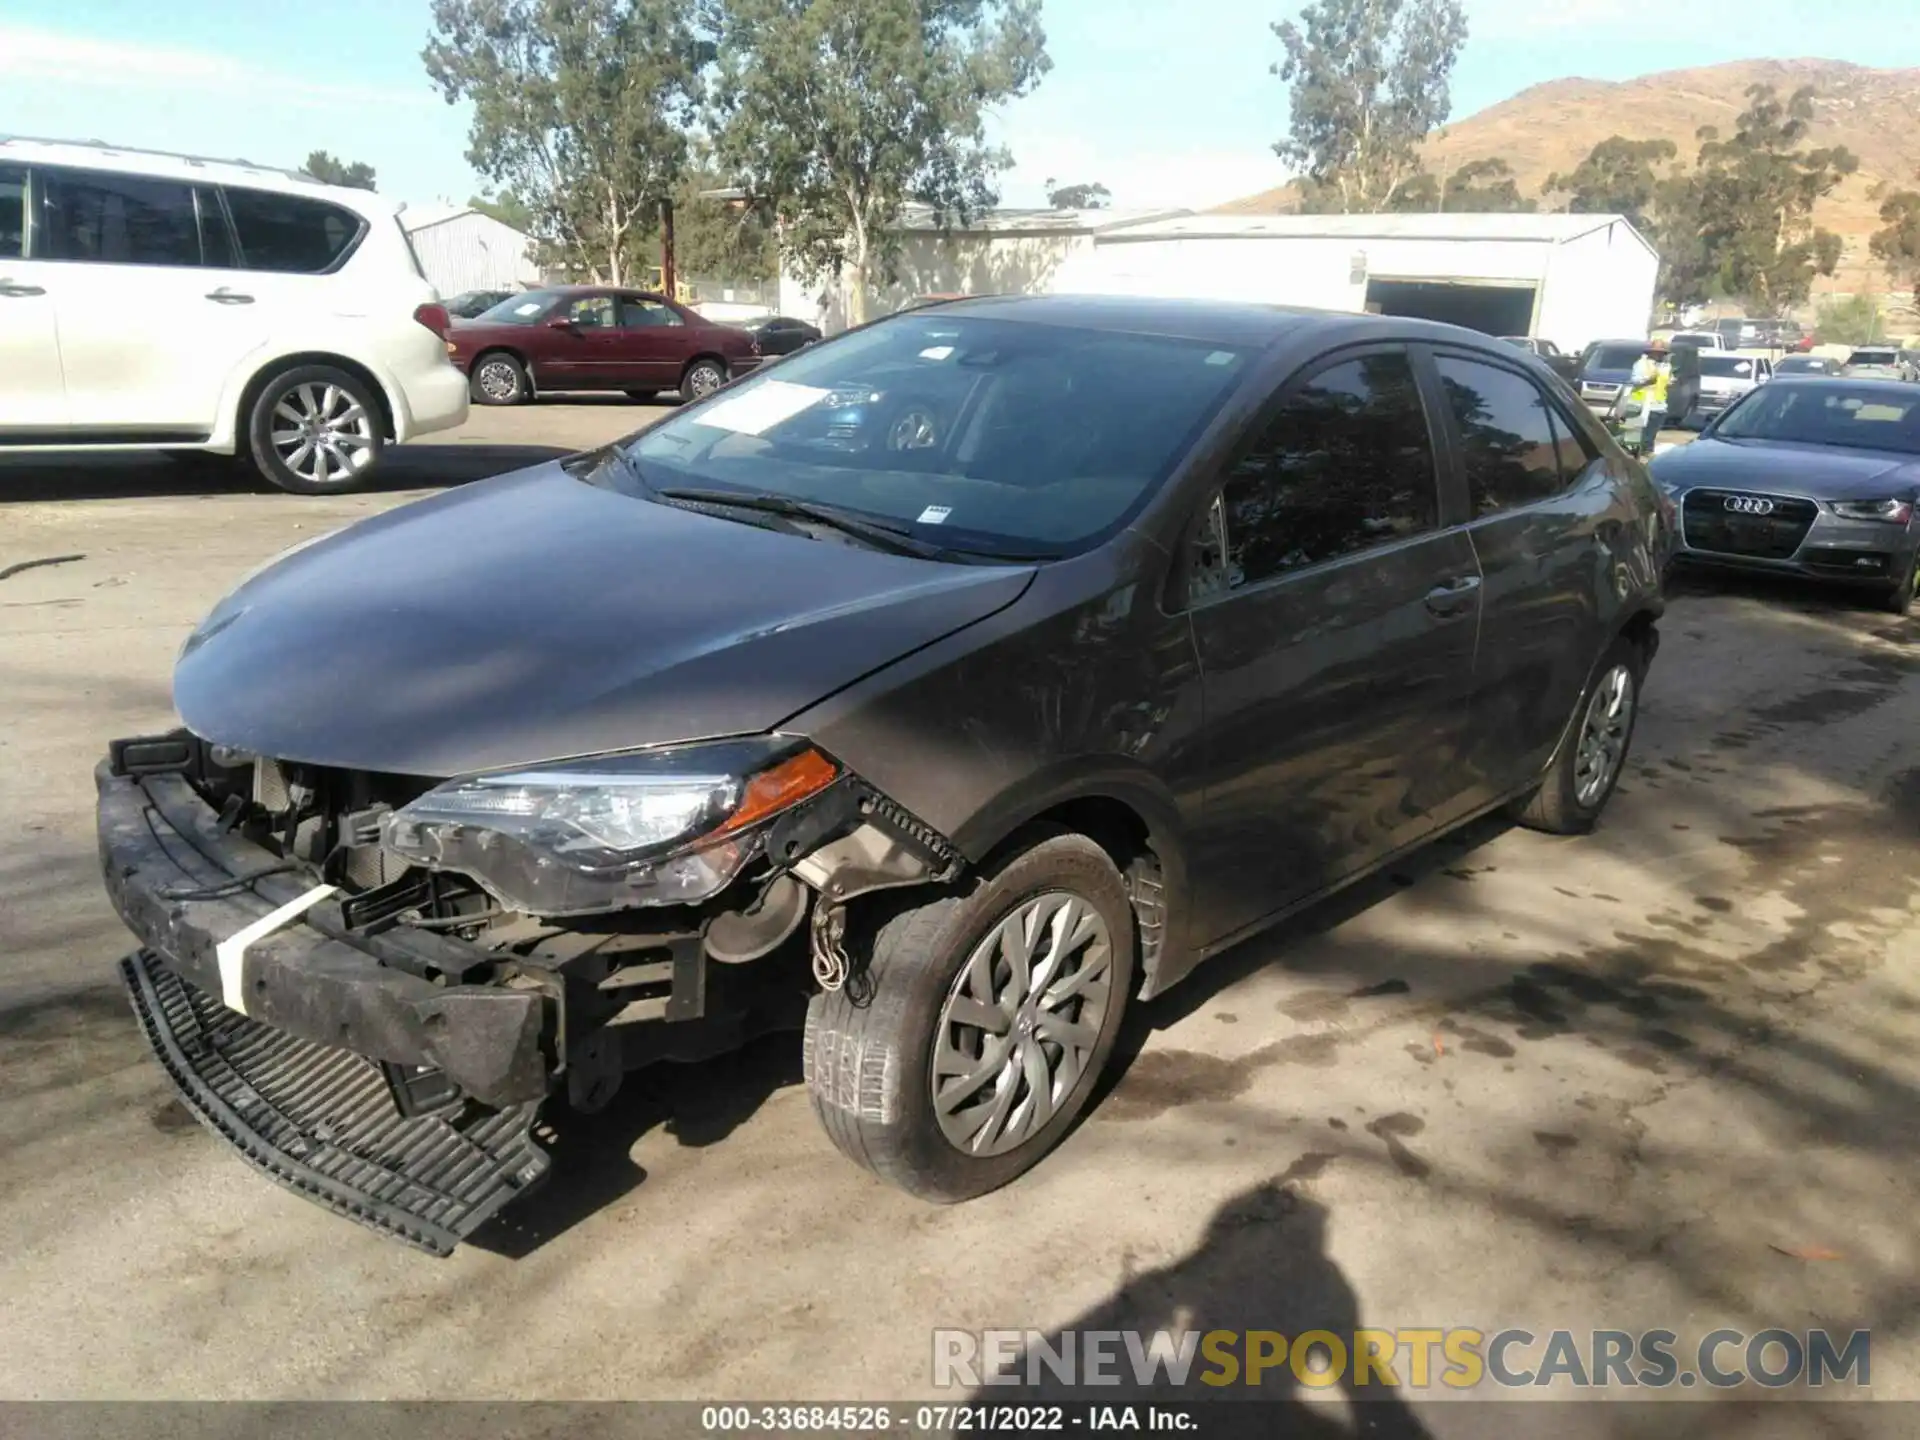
(352, 428)
(702, 378)
(642, 395)
(870, 1048)
(499, 379)
(1898, 599)
(1557, 807)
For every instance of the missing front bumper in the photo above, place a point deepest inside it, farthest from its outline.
(324, 1123)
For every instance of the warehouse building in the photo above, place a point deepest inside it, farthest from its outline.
(460, 249)
(1570, 279)
(1001, 252)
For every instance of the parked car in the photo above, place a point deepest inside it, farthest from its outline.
(1605, 375)
(1809, 476)
(152, 301)
(1698, 340)
(1876, 362)
(1738, 332)
(781, 334)
(1161, 621)
(597, 337)
(1564, 365)
(470, 303)
(1806, 365)
(1723, 380)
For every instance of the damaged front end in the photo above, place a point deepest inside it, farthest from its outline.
(371, 983)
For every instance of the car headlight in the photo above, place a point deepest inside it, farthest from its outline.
(652, 827)
(1894, 512)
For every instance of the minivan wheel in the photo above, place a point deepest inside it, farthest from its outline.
(703, 377)
(1593, 754)
(316, 430)
(969, 1042)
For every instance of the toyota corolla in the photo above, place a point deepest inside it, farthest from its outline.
(1814, 477)
(938, 695)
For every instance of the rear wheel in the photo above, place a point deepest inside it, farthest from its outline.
(316, 430)
(970, 1042)
(1587, 767)
(703, 377)
(500, 379)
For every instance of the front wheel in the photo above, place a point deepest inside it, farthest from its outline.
(499, 379)
(315, 430)
(1584, 771)
(969, 1042)
(1898, 600)
(642, 395)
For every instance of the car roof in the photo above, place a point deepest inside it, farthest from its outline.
(169, 165)
(579, 291)
(1221, 322)
(1871, 384)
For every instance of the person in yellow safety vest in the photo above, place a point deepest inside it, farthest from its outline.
(1651, 375)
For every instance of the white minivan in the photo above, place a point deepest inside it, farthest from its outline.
(163, 302)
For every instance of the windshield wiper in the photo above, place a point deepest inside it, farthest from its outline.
(880, 536)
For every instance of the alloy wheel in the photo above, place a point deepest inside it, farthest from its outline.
(498, 382)
(703, 380)
(1603, 736)
(1020, 1023)
(322, 433)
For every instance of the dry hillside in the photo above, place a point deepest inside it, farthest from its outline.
(1874, 113)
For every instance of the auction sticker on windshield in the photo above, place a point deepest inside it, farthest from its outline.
(755, 411)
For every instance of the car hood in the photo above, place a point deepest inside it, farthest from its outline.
(1822, 472)
(536, 617)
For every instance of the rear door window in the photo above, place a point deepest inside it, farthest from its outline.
(291, 234)
(637, 314)
(1344, 465)
(1508, 441)
(99, 218)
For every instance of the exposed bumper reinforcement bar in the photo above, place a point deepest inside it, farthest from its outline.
(324, 1123)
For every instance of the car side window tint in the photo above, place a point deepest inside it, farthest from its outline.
(216, 241)
(13, 212)
(290, 234)
(104, 219)
(645, 314)
(1508, 443)
(1345, 464)
(1570, 448)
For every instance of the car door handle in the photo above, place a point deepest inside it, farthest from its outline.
(1455, 597)
(11, 290)
(224, 296)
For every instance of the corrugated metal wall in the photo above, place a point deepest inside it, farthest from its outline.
(474, 252)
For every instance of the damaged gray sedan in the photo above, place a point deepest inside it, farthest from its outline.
(935, 696)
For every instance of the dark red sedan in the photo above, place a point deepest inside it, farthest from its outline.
(596, 337)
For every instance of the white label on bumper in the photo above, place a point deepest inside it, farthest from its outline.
(231, 951)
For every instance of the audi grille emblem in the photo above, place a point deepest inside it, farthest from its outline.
(1749, 505)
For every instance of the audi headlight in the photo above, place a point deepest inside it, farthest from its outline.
(653, 827)
(1894, 512)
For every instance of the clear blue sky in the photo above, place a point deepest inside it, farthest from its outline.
(1167, 104)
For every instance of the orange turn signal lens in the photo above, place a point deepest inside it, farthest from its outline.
(774, 790)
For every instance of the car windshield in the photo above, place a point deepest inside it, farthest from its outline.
(1873, 357)
(1726, 367)
(1801, 365)
(1616, 357)
(1830, 413)
(522, 309)
(994, 436)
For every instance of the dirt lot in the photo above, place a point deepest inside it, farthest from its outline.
(1661, 1077)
